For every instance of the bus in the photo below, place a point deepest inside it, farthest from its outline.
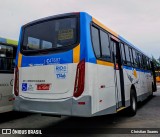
(8, 49)
(157, 76)
(71, 64)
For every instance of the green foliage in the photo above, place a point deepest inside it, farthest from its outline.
(156, 62)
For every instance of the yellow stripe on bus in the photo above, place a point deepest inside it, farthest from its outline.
(104, 27)
(76, 54)
(100, 62)
(120, 109)
(19, 59)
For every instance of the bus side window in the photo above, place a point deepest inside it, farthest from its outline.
(148, 62)
(141, 60)
(135, 58)
(144, 62)
(123, 54)
(9, 52)
(150, 65)
(131, 56)
(105, 50)
(1, 64)
(6, 58)
(96, 41)
(2, 57)
(127, 56)
(138, 59)
(113, 50)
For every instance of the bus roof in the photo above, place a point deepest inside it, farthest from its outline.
(99, 23)
(8, 41)
(118, 36)
(130, 44)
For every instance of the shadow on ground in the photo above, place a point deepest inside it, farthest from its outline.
(13, 115)
(92, 125)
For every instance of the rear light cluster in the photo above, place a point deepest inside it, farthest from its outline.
(16, 82)
(80, 79)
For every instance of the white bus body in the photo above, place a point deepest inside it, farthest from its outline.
(74, 81)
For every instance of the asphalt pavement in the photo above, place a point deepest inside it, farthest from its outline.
(148, 116)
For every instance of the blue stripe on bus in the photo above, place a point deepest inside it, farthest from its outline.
(65, 57)
(85, 35)
(137, 69)
(127, 67)
(59, 58)
(2, 40)
(18, 48)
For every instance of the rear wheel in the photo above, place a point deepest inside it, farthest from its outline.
(133, 103)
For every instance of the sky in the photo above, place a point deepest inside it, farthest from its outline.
(138, 21)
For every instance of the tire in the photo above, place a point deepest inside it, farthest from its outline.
(133, 103)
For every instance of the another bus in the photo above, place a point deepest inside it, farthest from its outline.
(7, 62)
(157, 76)
(71, 64)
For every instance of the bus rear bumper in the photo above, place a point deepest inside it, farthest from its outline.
(68, 107)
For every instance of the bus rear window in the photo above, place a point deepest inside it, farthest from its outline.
(52, 34)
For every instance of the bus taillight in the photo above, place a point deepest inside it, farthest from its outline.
(16, 82)
(80, 79)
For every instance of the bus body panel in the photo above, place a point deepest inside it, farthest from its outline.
(58, 68)
(54, 107)
(143, 82)
(35, 85)
(127, 72)
(6, 84)
(101, 87)
(6, 96)
(7, 57)
(86, 50)
(105, 86)
(47, 82)
(60, 72)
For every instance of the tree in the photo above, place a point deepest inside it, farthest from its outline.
(156, 63)
(158, 60)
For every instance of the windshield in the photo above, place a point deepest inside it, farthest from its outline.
(50, 34)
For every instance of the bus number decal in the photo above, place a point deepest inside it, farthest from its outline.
(51, 61)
